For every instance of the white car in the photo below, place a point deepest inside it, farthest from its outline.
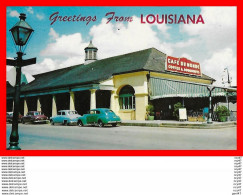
(65, 117)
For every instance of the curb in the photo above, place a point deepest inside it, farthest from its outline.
(177, 125)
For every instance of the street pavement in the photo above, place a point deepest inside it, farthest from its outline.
(58, 137)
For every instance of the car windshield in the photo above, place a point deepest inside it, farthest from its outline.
(72, 112)
(37, 113)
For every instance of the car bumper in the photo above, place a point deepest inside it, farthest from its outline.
(72, 122)
(40, 121)
(113, 122)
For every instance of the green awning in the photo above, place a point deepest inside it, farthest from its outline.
(164, 88)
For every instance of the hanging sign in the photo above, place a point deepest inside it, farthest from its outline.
(182, 65)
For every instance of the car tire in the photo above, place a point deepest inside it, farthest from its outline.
(23, 122)
(52, 123)
(100, 123)
(79, 123)
(64, 123)
(114, 124)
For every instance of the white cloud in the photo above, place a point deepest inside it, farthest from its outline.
(46, 65)
(14, 13)
(115, 39)
(163, 29)
(53, 34)
(183, 44)
(111, 39)
(186, 55)
(63, 51)
(66, 45)
(219, 30)
(30, 10)
(50, 64)
(40, 16)
(8, 68)
(214, 66)
(215, 41)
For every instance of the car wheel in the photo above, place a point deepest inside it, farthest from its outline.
(114, 124)
(52, 123)
(23, 122)
(100, 123)
(79, 123)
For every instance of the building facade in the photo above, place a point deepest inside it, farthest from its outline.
(126, 84)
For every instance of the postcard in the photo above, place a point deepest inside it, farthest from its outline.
(121, 80)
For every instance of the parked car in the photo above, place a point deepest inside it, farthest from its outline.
(100, 117)
(34, 117)
(65, 117)
(10, 117)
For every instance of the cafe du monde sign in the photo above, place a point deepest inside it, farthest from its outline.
(182, 65)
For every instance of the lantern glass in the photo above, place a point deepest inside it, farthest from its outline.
(24, 35)
(15, 35)
(21, 31)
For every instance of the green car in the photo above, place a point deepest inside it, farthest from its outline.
(100, 117)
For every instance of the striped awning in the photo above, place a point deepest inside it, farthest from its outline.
(164, 88)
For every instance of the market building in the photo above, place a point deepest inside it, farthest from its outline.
(125, 83)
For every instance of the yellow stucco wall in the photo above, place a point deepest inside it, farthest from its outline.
(138, 80)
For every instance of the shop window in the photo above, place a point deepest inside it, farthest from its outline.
(127, 98)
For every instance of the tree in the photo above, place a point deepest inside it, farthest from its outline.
(222, 113)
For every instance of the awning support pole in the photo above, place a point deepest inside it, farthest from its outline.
(210, 88)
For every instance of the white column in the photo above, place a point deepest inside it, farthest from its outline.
(72, 101)
(25, 107)
(13, 106)
(38, 104)
(54, 106)
(92, 99)
(112, 101)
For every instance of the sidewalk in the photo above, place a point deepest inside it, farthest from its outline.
(179, 124)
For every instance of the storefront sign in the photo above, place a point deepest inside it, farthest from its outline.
(182, 65)
(182, 114)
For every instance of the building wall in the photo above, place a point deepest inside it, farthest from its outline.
(138, 81)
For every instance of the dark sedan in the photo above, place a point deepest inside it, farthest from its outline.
(34, 117)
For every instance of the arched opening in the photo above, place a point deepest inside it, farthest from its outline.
(127, 98)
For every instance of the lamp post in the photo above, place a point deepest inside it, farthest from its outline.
(21, 32)
(229, 80)
(210, 88)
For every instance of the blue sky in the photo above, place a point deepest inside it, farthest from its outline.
(212, 44)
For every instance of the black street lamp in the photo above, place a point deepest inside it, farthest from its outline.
(210, 89)
(21, 32)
